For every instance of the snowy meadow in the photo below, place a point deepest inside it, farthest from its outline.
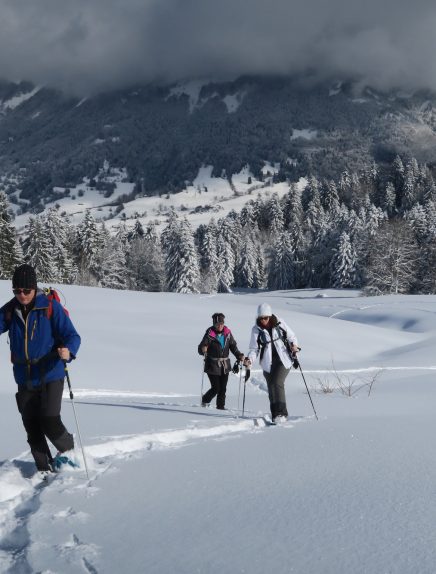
(176, 488)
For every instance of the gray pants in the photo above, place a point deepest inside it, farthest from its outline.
(276, 388)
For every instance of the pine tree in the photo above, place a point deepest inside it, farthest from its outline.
(88, 241)
(181, 260)
(226, 264)
(137, 231)
(417, 218)
(388, 199)
(275, 216)
(330, 198)
(393, 259)
(281, 270)
(88, 245)
(188, 280)
(57, 231)
(145, 262)
(315, 216)
(409, 196)
(38, 250)
(247, 216)
(260, 272)
(229, 240)
(246, 264)
(310, 192)
(293, 209)
(209, 258)
(10, 253)
(112, 270)
(122, 233)
(250, 267)
(344, 264)
(399, 171)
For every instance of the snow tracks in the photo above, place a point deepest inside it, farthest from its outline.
(23, 495)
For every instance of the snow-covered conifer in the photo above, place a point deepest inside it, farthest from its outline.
(58, 236)
(344, 263)
(181, 260)
(392, 259)
(88, 241)
(38, 250)
(246, 263)
(209, 258)
(275, 216)
(112, 270)
(137, 231)
(145, 262)
(10, 253)
(282, 267)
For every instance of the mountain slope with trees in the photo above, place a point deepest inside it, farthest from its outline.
(162, 135)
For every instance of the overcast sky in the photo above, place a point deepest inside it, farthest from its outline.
(91, 45)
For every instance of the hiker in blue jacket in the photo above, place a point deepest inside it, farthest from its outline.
(42, 337)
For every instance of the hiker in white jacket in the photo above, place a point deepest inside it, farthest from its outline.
(276, 343)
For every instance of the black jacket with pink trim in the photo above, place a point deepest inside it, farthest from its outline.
(217, 357)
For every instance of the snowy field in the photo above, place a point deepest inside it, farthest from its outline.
(175, 488)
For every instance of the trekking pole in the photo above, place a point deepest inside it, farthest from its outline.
(67, 374)
(202, 377)
(239, 393)
(307, 388)
(247, 376)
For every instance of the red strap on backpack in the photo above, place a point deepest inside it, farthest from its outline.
(53, 295)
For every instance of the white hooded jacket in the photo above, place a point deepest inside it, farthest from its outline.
(277, 340)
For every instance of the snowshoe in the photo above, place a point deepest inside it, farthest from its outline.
(63, 460)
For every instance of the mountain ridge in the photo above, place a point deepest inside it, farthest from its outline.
(163, 135)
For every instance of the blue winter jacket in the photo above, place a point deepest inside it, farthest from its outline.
(34, 341)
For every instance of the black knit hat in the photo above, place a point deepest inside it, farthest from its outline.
(24, 277)
(218, 318)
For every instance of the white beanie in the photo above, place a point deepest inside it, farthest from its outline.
(264, 310)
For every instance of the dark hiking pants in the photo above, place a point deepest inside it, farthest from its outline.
(40, 410)
(218, 388)
(276, 388)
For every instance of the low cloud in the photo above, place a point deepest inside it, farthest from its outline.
(86, 46)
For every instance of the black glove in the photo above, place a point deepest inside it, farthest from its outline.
(295, 363)
(235, 368)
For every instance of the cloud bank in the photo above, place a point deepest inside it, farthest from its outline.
(86, 46)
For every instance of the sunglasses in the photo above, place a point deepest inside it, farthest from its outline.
(264, 318)
(23, 291)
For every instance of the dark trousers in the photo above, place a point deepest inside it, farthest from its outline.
(218, 389)
(40, 410)
(276, 388)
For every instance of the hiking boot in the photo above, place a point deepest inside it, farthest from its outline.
(45, 474)
(63, 459)
(221, 408)
(204, 404)
(280, 419)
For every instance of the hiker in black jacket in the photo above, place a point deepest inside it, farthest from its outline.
(215, 346)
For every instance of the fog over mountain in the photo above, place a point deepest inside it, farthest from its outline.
(86, 47)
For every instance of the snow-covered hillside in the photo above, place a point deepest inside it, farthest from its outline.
(179, 489)
(207, 197)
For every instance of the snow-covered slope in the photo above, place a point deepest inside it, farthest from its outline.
(175, 488)
(207, 197)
